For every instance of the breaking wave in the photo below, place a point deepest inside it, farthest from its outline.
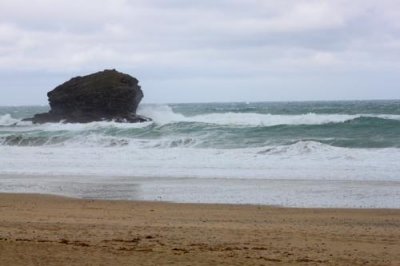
(165, 115)
(170, 129)
(213, 140)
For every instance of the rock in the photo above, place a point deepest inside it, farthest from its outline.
(106, 95)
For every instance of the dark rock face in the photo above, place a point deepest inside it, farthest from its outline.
(105, 95)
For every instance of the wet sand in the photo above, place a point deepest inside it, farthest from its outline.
(48, 230)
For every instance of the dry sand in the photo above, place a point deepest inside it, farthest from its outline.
(47, 230)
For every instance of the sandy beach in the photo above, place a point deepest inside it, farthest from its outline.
(49, 230)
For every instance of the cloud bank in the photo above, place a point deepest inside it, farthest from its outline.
(204, 50)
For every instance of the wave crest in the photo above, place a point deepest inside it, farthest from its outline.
(8, 120)
(299, 148)
(164, 114)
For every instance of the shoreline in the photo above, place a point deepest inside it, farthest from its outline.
(299, 193)
(58, 230)
(68, 197)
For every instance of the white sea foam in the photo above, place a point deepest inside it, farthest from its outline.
(89, 126)
(218, 164)
(302, 160)
(164, 114)
(7, 120)
(305, 174)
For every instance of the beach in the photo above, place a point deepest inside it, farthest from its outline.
(267, 183)
(52, 230)
(199, 133)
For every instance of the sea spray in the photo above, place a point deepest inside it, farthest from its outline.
(292, 154)
(235, 139)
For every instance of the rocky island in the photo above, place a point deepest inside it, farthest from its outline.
(103, 96)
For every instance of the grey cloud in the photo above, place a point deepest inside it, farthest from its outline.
(175, 42)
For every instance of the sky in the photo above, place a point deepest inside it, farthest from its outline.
(204, 51)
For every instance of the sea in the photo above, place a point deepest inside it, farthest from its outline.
(328, 154)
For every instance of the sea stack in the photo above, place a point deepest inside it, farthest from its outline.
(103, 96)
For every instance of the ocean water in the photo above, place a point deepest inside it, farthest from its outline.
(302, 154)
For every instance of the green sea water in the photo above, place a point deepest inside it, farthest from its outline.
(351, 124)
(301, 154)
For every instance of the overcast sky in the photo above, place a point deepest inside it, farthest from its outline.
(205, 50)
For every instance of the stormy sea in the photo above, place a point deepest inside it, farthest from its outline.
(298, 154)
